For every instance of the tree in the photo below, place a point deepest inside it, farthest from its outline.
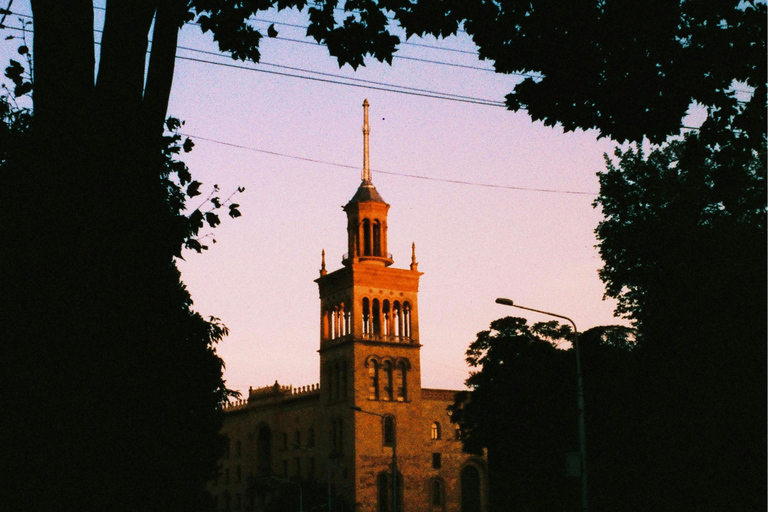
(685, 257)
(111, 388)
(628, 70)
(522, 408)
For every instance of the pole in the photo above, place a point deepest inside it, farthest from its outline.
(579, 395)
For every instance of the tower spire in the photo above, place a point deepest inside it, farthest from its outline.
(366, 133)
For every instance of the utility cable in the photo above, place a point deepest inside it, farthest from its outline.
(391, 173)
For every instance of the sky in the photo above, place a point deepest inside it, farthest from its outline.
(497, 205)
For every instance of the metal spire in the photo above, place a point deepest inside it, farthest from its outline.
(366, 133)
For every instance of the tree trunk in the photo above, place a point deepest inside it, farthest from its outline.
(161, 63)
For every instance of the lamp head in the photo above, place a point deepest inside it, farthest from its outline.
(506, 302)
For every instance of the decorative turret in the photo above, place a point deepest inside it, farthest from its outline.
(367, 215)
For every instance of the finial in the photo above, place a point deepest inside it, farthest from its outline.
(366, 133)
(322, 265)
(414, 265)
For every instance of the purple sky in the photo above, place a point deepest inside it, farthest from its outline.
(473, 243)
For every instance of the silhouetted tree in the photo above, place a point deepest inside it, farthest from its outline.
(628, 70)
(521, 407)
(111, 389)
(685, 256)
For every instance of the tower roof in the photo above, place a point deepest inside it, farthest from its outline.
(367, 193)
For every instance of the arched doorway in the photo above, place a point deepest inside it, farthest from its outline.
(470, 490)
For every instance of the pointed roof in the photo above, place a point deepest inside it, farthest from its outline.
(367, 193)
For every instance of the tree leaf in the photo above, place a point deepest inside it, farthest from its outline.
(194, 189)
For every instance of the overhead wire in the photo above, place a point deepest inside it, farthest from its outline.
(391, 173)
(334, 78)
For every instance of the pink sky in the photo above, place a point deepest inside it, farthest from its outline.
(472, 243)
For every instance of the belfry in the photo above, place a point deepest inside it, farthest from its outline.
(368, 434)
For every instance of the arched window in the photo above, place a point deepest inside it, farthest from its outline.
(373, 375)
(402, 381)
(388, 380)
(337, 436)
(366, 316)
(388, 430)
(341, 321)
(347, 321)
(367, 237)
(311, 437)
(435, 434)
(335, 323)
(470, 490)
(397, 323)
(376, 318)
(406, 319)
(326, 324)
(385, 318)
(376, 238)
(384, 492)
(437, 493)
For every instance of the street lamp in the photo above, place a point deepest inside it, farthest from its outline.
(394, 451)
(579, 395)
(301, 492)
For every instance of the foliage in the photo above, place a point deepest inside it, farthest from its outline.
(522, 408)
(628, 70)
(111, 387)
(684, 252)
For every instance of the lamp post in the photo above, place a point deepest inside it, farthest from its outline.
(579, 394)
(301, 492)
(394, 451)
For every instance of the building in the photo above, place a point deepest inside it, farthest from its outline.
(369, 360)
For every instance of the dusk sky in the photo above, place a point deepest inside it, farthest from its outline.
(523, 229)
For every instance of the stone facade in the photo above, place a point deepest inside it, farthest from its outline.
(369, 403)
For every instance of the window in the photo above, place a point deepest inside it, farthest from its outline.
(226, 448)
(285, 468)
(337, 436)
(311, 467)
(437, 460)
(366, 316)
(226, 476)
(437, 492)
(311, 438)
(388, 380)
(435, 431)
(402, 384)
(238, 474)
(285, 440)
(238, 449)
(297, 464)
(297, 439)
(388, 427)
(373, 375)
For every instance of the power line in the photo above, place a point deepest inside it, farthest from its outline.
(339, 79)
(402, 90)
(391, 173)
